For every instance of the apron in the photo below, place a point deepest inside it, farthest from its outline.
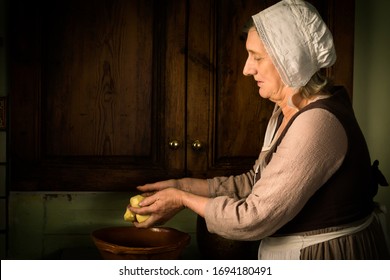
(289, 247)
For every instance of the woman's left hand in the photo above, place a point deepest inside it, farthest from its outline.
(161, 206)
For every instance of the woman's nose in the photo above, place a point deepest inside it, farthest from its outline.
(248, 69)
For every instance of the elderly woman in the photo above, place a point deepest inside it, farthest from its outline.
(310, 193)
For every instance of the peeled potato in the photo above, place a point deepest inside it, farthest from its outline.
(134, 202)
(141, 218)
(129, 216)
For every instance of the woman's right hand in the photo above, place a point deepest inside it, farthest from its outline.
(160, 206)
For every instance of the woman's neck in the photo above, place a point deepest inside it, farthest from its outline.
(291, 104)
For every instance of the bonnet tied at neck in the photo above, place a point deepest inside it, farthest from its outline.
(297, 40)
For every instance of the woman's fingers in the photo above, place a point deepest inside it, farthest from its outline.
(153, 187)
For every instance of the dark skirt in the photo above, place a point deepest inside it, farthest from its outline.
(368, 244)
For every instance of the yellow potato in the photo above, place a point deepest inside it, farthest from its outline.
(134, 202)
(129, 216)
(141, 218)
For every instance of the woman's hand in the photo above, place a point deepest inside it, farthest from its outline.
(149, 189)
(189, 185)
(161, 206)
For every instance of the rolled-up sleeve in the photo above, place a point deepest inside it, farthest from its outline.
(239, 186)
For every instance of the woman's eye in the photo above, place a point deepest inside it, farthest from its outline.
(257, 58)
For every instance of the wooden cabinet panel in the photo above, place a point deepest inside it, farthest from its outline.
(92, 100)
(239, 105)
(100, 88)
(97, 78)
(172, 93)
(224, 109)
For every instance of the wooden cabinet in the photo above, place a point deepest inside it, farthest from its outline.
(107, 95)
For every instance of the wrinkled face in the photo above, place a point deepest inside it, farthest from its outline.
(260, 66)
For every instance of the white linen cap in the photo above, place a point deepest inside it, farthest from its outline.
(297, 40)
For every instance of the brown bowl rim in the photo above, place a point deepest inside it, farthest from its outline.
(119, 250)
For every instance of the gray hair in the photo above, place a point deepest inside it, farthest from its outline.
(317, 84)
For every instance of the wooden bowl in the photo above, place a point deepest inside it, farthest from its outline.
(131, 243)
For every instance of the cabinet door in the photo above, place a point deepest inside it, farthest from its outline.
(96, 88)
(225, 113)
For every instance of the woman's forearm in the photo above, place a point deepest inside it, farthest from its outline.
(195, 202)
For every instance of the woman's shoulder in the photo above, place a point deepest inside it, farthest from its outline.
(316, 116)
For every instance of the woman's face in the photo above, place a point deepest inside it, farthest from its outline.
(260, 66)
